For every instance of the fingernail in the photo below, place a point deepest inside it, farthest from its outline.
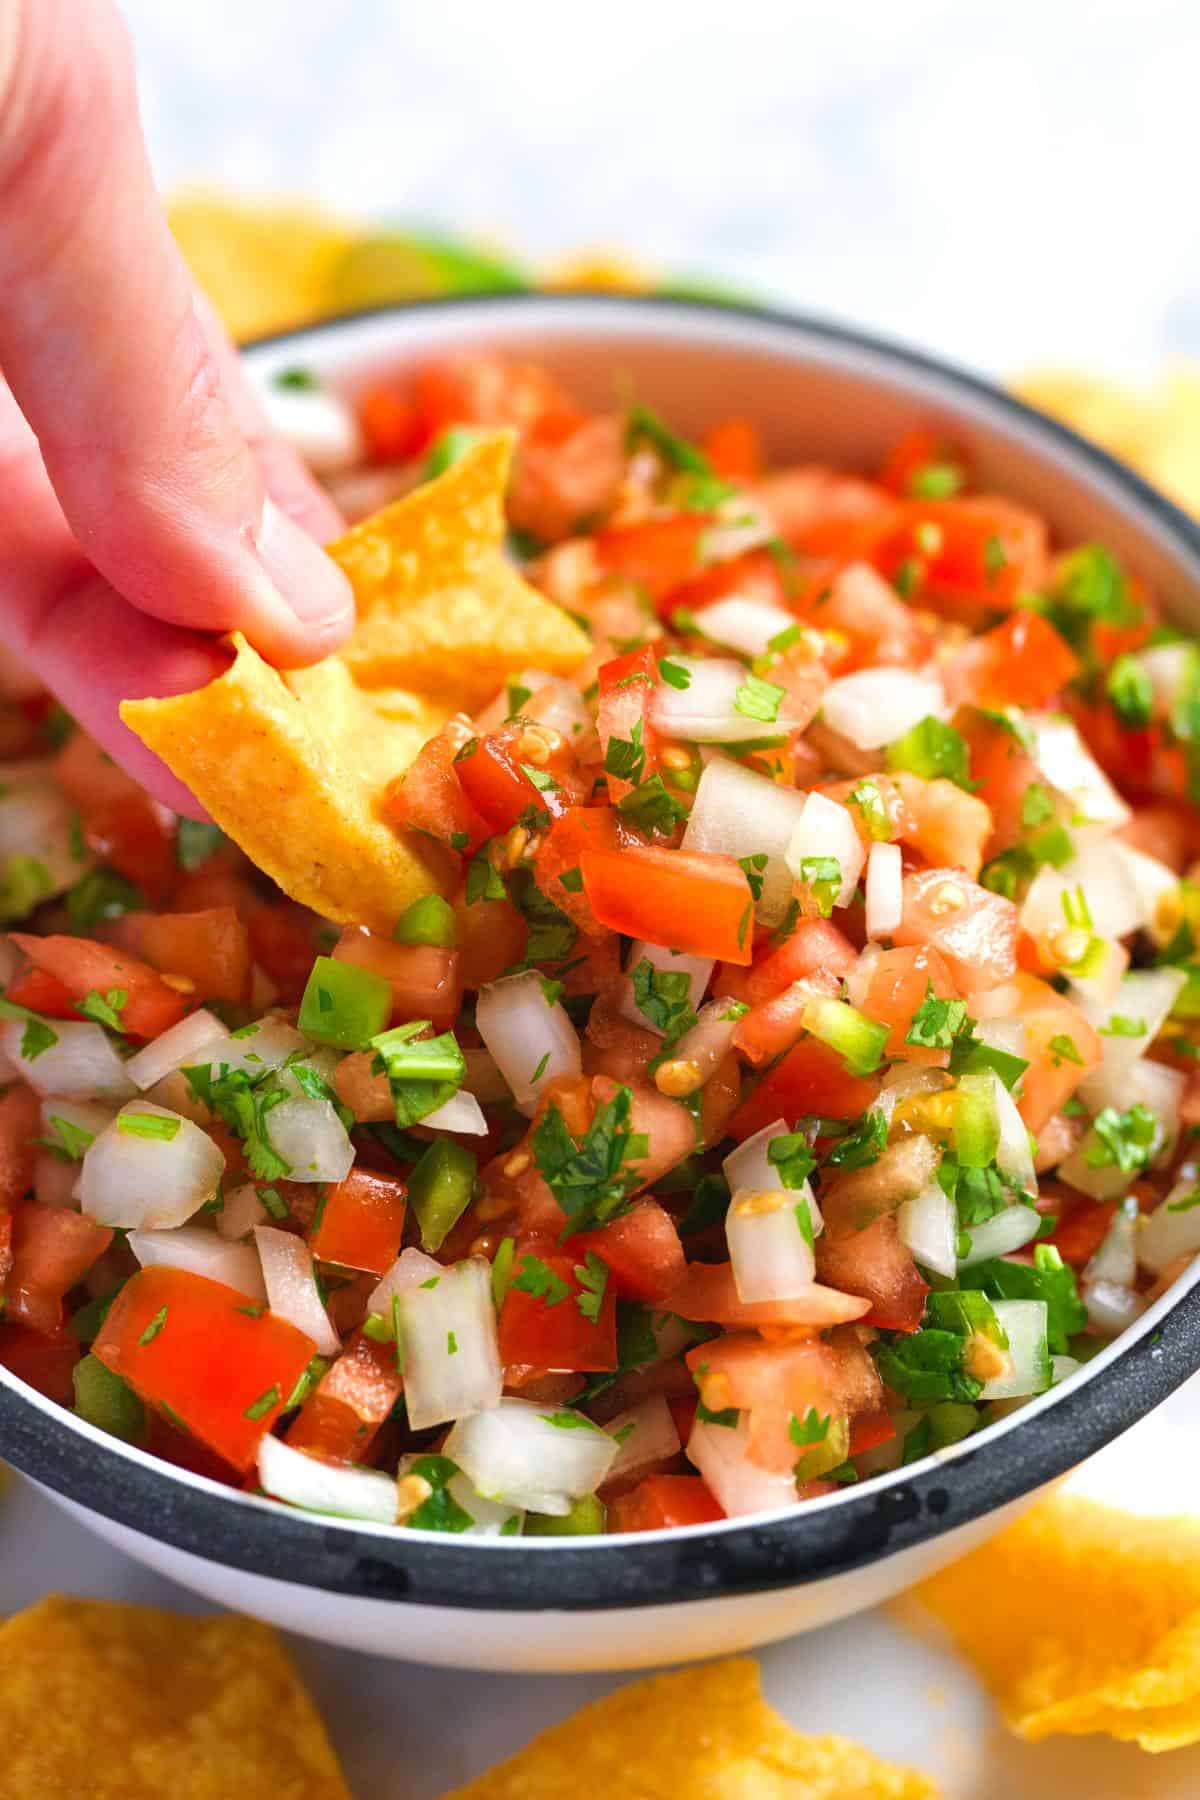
(311, 583)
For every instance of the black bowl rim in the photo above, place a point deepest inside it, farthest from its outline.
(847, 1531)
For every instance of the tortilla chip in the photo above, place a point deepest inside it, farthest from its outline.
(1156, 429)
(705, 1733)
(127, 1703)
(1080, 1618)
(294, 766)
(265, 267)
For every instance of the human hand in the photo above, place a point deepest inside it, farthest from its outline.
(143, 509)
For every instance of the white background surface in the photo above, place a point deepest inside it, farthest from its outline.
(1005, 184)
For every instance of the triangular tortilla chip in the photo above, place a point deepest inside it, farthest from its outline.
(1081, 1618)
(704, 1733)
(293, 766)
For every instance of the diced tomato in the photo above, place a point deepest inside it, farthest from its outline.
(429, 797)
(1082, 1227)
(491, 938)
(734, 448)
(559, 853)
(815, 947)
(20, 1123)
(769, 1029)
(641, 1250)
(686, 899)
(122, 825)
(663, 1502)
(719, 1100)
(824, 511)
(899, 981)
(350, 1402)
(975, 930)
(869, 613)
(776, 1382)
(52, 1250)
(184, 1452)
(1003, 773)
(872, 1262)
(361, 1222)
(199, 1353)
(42, 993)
(211, 949)
(1168, 830)
(666, 1126)
(965, 557)
(948, 826)
(1021, 662)
(914, 451)
(391, 426)
(552, 1330)
(560, 483)
(755, 575)
(86, 967)
(811, 1079)
(870, 1429)
(614, 1045)
(708, 1294)
(480, 389)
(425, 978)
(497, 788)
(1052, 1023)
(660, 555)
(282, 943)
(44, 1362)
(626, 686)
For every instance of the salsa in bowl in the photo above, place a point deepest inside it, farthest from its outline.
(792, 1080)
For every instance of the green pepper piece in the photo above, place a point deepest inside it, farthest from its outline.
(344, 1005)
(440, 1189)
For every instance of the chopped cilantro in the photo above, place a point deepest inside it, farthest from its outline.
(759, 699)
(105, 1009)
(792, 1156)
(651, 808)
(538, 1279)
(154, 1327)
(102, 894)
(626, 757)
(859, 1148)
(484, 881)
(663, 996)
(1130, 692)
(674, 674)
(873, 810)
(932, 749)
(148, 1125)
(936, 1023)
(423, 1073)
(589, 1177)
(592, 1276)
(822, 875)
(258, 1409)
(643, 425)
(1123, 1140)
(440, 1511)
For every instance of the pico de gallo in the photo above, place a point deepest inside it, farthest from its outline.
(800, 1074)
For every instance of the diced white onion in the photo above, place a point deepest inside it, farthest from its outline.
(311, 1139)
(1149, 1084)
(318, 426)
(149, 1183)
(749, 1169)
(885, 890)
(698, 970)
(1144, 997)
(1153, 880)
(325, 1487)
(743, 524)
(770, 1255)
(266, 1044)
(903, 1083)
(242, 1211)
(409, 1270)
(1014, 1157)
(39, 824)
(84, 1115)
(743, 624)
(928, 1229)
(461, 1113)
(451, 1356)
(514, 1452)
(738, 1485)
(533, 1042)
(1112, 897)
(201, 1252)
(489, 1518)
(710, 1038)
(874, 707)
(1115, 1259)
(1168, 667)
(1061, 1367)
(174, 1047)
(738, 813)
(292, 1292)
(1108, 962)
(645, 1435)
(1165, 1235)
(1111, 1309)
(1024, 1322)
(1071, 770)
(558, 703)
(176, 1093)
(81, 1061)
(1000, 1235)
(826, 829)
(705, 711)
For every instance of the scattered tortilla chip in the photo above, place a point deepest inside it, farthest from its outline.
(293, 766)
(127, 1703)
(705, 1733)
(265, 267)
(1080, 1618)
(1156, 429)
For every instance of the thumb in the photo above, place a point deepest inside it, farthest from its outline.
(108, 360)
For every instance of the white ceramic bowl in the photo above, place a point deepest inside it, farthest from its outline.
(628, 1602)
